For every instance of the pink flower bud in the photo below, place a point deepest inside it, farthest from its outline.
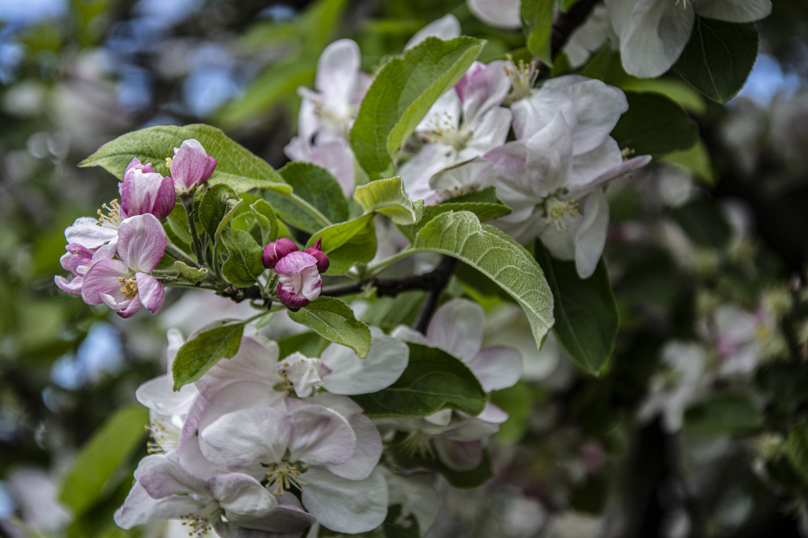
(320, 256)
(145, 191)
(191, 166)
(299, 281)
(276, 251)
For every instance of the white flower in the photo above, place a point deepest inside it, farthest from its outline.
(447, 27)
(675, 389)
(653, 33)
(500, 13)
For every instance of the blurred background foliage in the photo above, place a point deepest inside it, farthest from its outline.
(76, 73)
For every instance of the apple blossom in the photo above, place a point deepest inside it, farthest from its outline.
(190, 167)
(322, 258)
(125, 285)
(299, 281)
(78, 261)
(500, 13)
(326, 114)
(653, 33)
(465, 122)
(447, 27)
(276, 250)
(165, 490)
(746, 339)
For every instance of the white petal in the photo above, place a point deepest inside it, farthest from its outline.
(407, 334)
(367, 454)
(500, 13)
(253, 362)
(320, 436)
(549, 156)
(459, 455)
(620, 11)
(489, 131)
(447, 27)
(587, 167)
(591, 234)
(337, 70)
(417, 496)
(86, 232)
(243, 498)
(162, 477)
(532, 115)
(734, 10)
(384, 364)
(345, 505)
(497, 367)
(237, 396)
(655, 36)
(139, 508)
(159, 395)
(458, 328)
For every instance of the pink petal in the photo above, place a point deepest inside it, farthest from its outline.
(295, 262)
(72, 287)
(103, 278)
(482, 88)
(312, 284)
(150, 292)
(191, 165)
(143, 193)
(141, 242)
(290, 300)
(131, 308)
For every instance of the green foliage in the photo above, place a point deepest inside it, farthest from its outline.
(695, 160)
(235, 166)
(704, 224)
(537, 17)
(587, 320)
(470, 479)
(243, 265)
(654, 125)
(265, 217)
(797, 451)
(724, 413)
(189, 273)
(402, 94)
(518, 402)
(496, 256)
(178, 223)
(95, 472)
(433, 380)
(719, 57)
(334, 320)
(215, 204)
(387, 196)
(218, 340)
(318, 187)
(347, 243)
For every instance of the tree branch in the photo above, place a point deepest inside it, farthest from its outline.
(567, 22)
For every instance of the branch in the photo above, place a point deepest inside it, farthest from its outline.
(444, 272)
(567, 22)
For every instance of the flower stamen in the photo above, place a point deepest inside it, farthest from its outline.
(417, 442)
(164, 436)
(113, 217)
(523, 78)
(561, 214)
(284, 476)
(129, 288)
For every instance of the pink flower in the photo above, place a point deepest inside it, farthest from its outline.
(276, 250)
(145, 191)
(322, 259)
(299, 280)
(125, 285)
(191, 166)
(78, 261)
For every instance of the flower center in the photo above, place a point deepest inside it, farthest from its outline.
(113, 217)
(129, 288)
(683, 3)
(417, 442)
(341, 122)
(561, 214)
(202, 522)
(523, 78)
(284, 476)
(164, 435)
(446, 131)
(168, 162)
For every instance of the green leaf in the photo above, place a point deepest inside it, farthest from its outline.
(518, 402)
(704, 224)
(265, 217)
(433, 380)
(496, 256)
(695, 160)
(308, 343)
(484, 211)
(678, 91)
(797, 450)
(178, 222)
(471, 479)
(334, 320)
(218, 340)
(235, 165)
(719, 57)
(189, 273)
(487, 195)
(722, 414)
(585, 311)
(243, 265)
(654, 125)
(347, 243)
(402, 94)
(390, 312)
(387, 196)
(215, 204)
(318, 187)
(94, 473)
(537, 17)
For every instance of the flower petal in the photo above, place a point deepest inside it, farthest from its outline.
(335, 155)
(351, 375)
(459, 455)
(242, 497)
(458, 328)
(140, 508)
(654, 37)
(320, 436)
(482, 88)
(162, 477)
(285, 521)
(158, 395)
(447, 27)
(337, 71)
(342, 505)
(191, 165)
(368, 450)
(150, 292)
(253, 362)
(103, 278)
(143, 193)
(499, 13)
(86, 232)
(734, 10)
(417, 496)
(141, 242)
(591, 234)
(497, 367)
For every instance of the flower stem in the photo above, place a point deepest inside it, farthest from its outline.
(188, 203)
(179, 255)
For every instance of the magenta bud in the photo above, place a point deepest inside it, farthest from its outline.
(319, 255)
(277, 250)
